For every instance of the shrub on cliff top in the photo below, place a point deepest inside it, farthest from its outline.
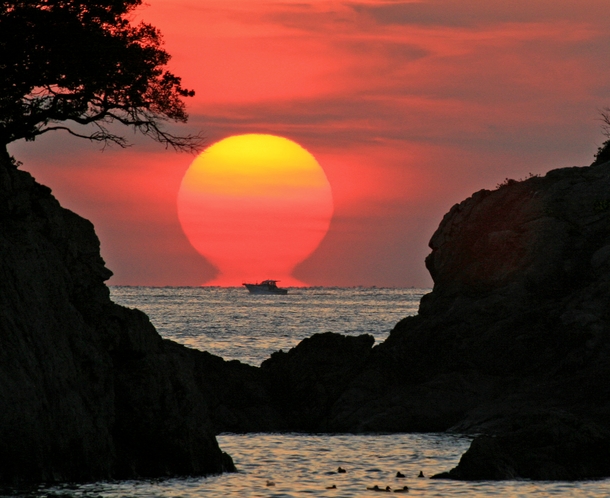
(603, 152)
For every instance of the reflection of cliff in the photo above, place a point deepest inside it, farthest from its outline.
(88, 389)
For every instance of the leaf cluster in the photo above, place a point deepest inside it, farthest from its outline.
(79, 65)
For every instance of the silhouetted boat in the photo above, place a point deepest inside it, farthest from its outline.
(266, 287)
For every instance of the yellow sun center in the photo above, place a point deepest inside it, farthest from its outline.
(255, 206)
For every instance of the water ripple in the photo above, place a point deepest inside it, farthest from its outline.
(296, 466)
(236, 325)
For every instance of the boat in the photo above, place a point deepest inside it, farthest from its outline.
(266, 287)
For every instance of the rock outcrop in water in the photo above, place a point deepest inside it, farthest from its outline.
(549, 446)
(88, 389)
(306, 381)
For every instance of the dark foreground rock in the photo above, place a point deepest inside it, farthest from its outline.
(88, 389)
(547, 447)
(306, 381)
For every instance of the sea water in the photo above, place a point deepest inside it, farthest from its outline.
(234, 324)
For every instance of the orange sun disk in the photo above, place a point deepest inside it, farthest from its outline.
(255, 206)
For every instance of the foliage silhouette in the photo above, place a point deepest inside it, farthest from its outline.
(81, 65)
(603, 152)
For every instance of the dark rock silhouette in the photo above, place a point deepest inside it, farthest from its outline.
(238, 395)
(88, 389)
(549, 446)
(517, 321)
(306, 381)
(517, 326)
(512, 342)
(515, 330)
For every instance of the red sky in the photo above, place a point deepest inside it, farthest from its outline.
(408, 106)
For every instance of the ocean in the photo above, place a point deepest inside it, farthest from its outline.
(236, 325)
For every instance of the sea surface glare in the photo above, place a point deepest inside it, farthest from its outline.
(236, 325)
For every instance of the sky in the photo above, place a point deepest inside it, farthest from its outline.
(408, 106)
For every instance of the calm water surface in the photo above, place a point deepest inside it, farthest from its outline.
(236, 325)
(302, 465)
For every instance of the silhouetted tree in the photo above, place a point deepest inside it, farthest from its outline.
(603, 152)
(66, 64)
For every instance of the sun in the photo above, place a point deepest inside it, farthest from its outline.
(255, 206)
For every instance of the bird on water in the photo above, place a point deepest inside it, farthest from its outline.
(387, 489)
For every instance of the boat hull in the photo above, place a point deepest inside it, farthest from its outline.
(263, 289)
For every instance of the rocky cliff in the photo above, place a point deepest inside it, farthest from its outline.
(518, 319)
(88, 389)
(514, 339)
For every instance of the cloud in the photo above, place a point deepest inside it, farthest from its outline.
(409, 107)
(480, 13)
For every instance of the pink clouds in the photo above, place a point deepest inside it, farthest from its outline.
(409, 107)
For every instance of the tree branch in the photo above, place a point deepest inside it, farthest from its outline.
(98, 136)
(85, 62)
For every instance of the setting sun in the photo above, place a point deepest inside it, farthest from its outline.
(255, 205)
